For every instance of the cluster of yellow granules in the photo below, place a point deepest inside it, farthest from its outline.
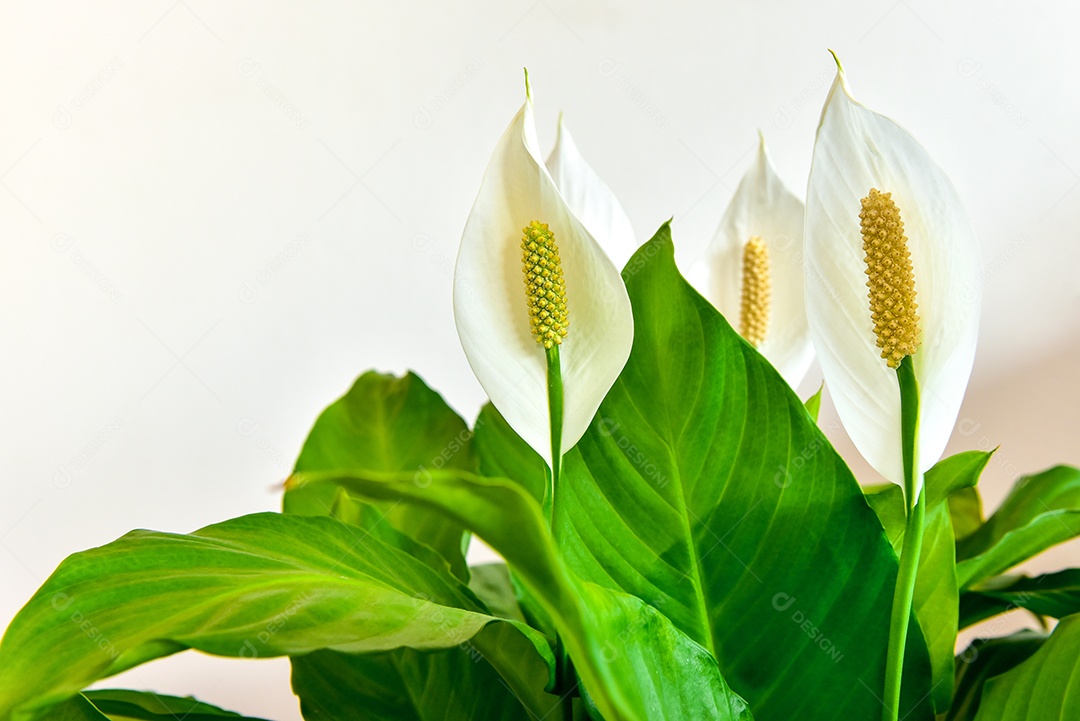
(545, 289)
(756, 292)
(891, 280)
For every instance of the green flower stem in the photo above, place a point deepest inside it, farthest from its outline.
(555, 409)
(563, 669)
(913, 538)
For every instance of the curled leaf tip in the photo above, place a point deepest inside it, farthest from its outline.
(836, 59)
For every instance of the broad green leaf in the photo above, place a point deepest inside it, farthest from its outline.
(457, 684)
(256, 586)
(704, 487)
(389, 424)
(983, 659)
(123, 704)
(1052, 594)
(1045, 687)
(633, 661)
(1041, 511)
(936, 592)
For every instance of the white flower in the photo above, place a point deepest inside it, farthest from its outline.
(758, 284)
(590, 199)
(492, 310)
(857, 151)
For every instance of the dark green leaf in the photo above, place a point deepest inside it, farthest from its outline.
(77, 708)
(122, 704)
(704, 487)
(633, 661)
(256, 586)
(1045, 687)
(491, 583)
(1041, 511)
(1052, 594)
(457, 684)
(983, 659)
(389, 424)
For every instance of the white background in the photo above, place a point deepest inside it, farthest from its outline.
(214, 216)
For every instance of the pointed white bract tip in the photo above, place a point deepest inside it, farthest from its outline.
(528, 87)
(836, 59)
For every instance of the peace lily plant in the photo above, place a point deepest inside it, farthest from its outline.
(680, 540)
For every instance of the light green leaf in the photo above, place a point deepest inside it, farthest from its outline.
(965, 507)
(813, 403)
(1045, 687)
(256, 586)
(388, 424)
(633, 661)
(1041, 511)
(983, 659)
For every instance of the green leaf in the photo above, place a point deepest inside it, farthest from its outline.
(1052, 594)
(1045, 687)
(458, 684)
(984, 659)
(149, 706)
(503, 454)
(704, 487)
(492, 584)
(813, 403)
(965, 507)
(77, 708)
(936, 590)
(954, 474)
(389, 424)
(633, 661)
(1040, 511)
(256, 586)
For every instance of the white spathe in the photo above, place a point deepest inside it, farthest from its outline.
(490, 306)
(764, 207)
(856, 150)
(590, 198)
